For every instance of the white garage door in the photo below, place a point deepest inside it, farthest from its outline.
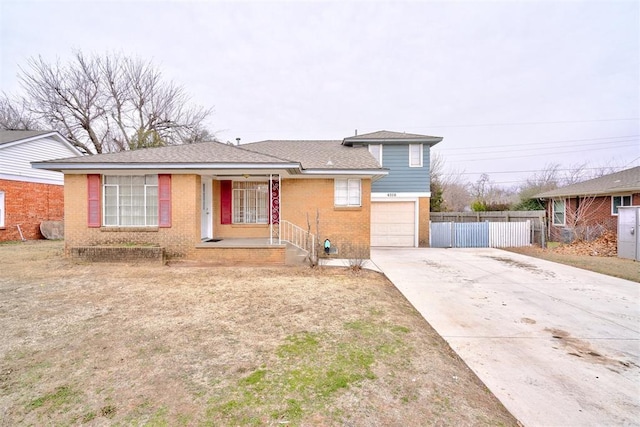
(393, 224)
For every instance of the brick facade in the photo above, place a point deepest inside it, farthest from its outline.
(598, 213)
(347, 228)
(28, 204)
(424, 216)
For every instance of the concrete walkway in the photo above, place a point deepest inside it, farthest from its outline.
(559, 346)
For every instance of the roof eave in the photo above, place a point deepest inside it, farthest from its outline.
(430, 140)
(62, 167)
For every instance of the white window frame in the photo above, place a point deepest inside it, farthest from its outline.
(252, 203)
(2, 210)
(150, 210)
(347, 192)
(412, 161)
(376, 152)
(564, 211)
(614, 208)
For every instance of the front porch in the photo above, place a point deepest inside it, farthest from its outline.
(249, 251)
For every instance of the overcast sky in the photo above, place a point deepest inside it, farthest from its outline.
(510, 86)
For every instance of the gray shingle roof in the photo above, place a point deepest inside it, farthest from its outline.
(317, 154)
(7, 136)
(620, 182)
(202, 153)
(393, 137)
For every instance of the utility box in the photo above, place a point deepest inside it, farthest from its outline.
(628, 225)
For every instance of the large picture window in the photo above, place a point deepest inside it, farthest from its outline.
(559, 211)
(348, 192)
(250, 202)
(617, 201)
(130, 201)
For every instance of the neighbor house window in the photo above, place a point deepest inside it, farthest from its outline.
(415, 155)
(376, 151)
(617, 201)
(1, 209)
(348, 192)
(130, 201)
(250, 202)
(559, 211)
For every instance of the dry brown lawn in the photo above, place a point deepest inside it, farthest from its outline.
(114, 344)
(612, 266)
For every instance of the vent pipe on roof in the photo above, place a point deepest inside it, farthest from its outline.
(356, 132)
(237, 141)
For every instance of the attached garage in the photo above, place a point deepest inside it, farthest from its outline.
(393, 224)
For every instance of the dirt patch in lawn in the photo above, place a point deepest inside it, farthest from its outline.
(611, 266)
(140, 344)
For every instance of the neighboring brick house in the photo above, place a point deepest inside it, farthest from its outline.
(198, 201)
(585, 208)
(29, 196)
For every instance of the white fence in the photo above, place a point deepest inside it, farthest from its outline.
(480, 234)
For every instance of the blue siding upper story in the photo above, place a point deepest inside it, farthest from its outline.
(402, 178)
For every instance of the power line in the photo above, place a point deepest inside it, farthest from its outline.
(554, 149)
(541, 154)
(526, 123)
(539, 143)
(540, 170)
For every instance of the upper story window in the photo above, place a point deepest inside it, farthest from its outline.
(1, 209)
(559, 211)
(415, 155)
(617, 201)
(348, 192)
(250, 202)
(376, 151)
(130, 200)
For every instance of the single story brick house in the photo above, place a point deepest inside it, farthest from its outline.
(245, 203)
(30, 196)
(586, 208)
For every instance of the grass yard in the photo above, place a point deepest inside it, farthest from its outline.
(612, 266)
(113, 344)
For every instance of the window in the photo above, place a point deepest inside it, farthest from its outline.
(1, 209)
(415, 155)
(347, 192)
(130, 201)
(559, 207)
(376, 151)
(617, 201)
(250, 202)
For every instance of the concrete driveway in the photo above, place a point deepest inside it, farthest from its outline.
(557, 345)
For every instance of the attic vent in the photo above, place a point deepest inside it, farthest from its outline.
(329, 162)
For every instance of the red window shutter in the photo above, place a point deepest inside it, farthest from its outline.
(226, 191)
(164, 200)
(93, 186)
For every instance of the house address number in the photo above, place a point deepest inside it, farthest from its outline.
(391, 194)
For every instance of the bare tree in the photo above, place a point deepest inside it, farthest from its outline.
(14, 115)
(111, 103)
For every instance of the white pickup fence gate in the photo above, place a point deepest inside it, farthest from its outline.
(479, 234)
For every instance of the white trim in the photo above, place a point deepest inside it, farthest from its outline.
(54, 134)
(421, 156)
(553, 212)
(333, 172)
(390, 196)
(630, 196)
(33, 180)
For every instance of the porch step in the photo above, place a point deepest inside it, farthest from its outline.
(295, 256)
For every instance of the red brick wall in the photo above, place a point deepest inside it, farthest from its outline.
(28, 204)
(598, 213)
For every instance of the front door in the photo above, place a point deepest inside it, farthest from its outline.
(206, 208)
